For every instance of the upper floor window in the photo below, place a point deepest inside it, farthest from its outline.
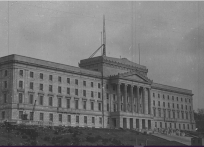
(178, 106)
(59, 89)
(173, 98)
(91, 84)
(5, 73)
(76, 81)
(31, 98)
(76, 104)
(168, 97)
(5, 98)
(99, 95)
(92, 94)
(182, 99)
(20, 98)
(41, 100)
(84, 93)
(20, 84)
(50, 101)
(5, 84)
(50, 88)
(41, 116)
(163, 96)
(186, 107)
(107, 95)
(59, 79)
(31, 85)
(76, 91)
(163, 104)
(177, 98)
(51, 117)
(158, 95)
(68, 80)
(99, 85)
(158, 103)
(168, 105)
(41, 87)
(153, 95)
(21, 72)
(41, 76)
(59, 102)
(85, 119)
(68, 103)
(31, 74)
(92, 105)
(84, 83)
(189, 100)
(50, 77)
(106, 86)
(99, 106)
(173, 105)
(68, 90)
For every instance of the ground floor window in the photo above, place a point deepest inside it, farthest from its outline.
(160, 124)
(3, 114)
(93, 120)
(77, 119)
(20, 114)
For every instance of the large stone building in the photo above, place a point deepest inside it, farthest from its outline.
(101, 92)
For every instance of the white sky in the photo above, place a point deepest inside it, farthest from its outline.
(171, 35)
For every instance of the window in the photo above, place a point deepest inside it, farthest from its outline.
(84, 93)
(76, 81)
(173, 114)
(59, 89)
(41, 116)
(31, 98)
(114, 97)
(168, 105)
(92, 105)
(99, 85)
(50, 88)
(158, 103)
(99, 106)
(154, 102)
(20, 114)
(177, 98)
(41, 87)
(20, 97)
(85, 119)
(50, 101)
(185, 100)
(50, 77)
(5, 98)
(108, 107)
(76, 104)
(181, 106)
(69, 118)
(164, 113)
(169, 114)
(189, 100)
(59, 79)
(182, 115)
(168, 97)
(51, 117)
(84, 83)
(31, 85)
(178, 115)
(21, 84)
(68, 80)
(5, 73)
(76, 91)
(153, 95)
(59, 102)
(21, 73)
(41, 76)
(92, 94)
(163, 96)
(100, 120)
(99, 95)
(173, 105)
(186, 115)
(154, 112)
(107, 95)
(84, 105)
(60, 117)
(41, 100)
(114, 107)
(77, 119)
(163, 104)
(155, 124)
(190, 108)
(93, 120)
(184, 126)
(182, 99)
(5, 84)
(173, 98)
(178, 106)
(68, 90)
(113, 87)
(186, 107)
(68, 103)
(31, 74)
(91, 84)
(158, 95)
(3, 115)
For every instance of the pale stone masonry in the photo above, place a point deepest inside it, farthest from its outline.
(101, 92)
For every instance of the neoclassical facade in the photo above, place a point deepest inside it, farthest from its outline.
(102, 92)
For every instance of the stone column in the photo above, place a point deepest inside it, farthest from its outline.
(132, 98)
(146, 100)
(143, 100)
(138, 100)
(125, 98)
(149, 102)
(119, 97)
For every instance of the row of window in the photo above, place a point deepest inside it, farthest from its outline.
(170, 125)
(41, 76)
(173, 116)
(59, 104)
(177, 99)
(172, 105)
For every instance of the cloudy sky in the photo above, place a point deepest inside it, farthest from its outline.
(171, 35)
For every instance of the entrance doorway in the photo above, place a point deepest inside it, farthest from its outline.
(114, 122)
(149, 124)
(124, 123)
(131, 123)
(143, 123)
(137, 123)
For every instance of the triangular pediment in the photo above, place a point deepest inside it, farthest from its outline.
(135, 77)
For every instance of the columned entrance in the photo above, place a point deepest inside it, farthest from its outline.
(124, 123)
(131, 123)
(143, 123)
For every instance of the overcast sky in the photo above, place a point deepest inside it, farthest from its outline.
(171, 36)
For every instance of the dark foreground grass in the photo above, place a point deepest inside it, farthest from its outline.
(69, 136)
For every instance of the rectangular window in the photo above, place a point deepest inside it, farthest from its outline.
(173, 105)
(21, 73)
(41, 100)
(59, 79)
(186, 107)
(178, 106)
(181, 106)
(173, 98)
(68, 103)
(91, 84)
(31, 85)
(113, 97)
(99, 106)
(186, 115)
(77, 119)
(107, 95)
(20, 97)
(51, 117)
(59, 89)
(76, 81)
(41, 116)
(5, 98)
(5, 84)
(50, 88)
(168, 105)
(84, 83)
(68, 90)
(158, 103)
(69, 118)
(160, 124)
(174, 115)
(178, 116)
(50, 77)
(85, 119)
(20, 84)
(155, 124)
(20, 114)
(154, 102)
(50, 101)
(59, 102)
(99, 85)
(92, 94)
(31, 74)
(108, 107)
(99, 95)
(84, 93)
(177, 98)
(169, 114)
(163, 104)
(163, 96)
(68, 80)
(159, 113)
(76, 104)
(60, 117)
(84, 105)
(3, 115)
(182, 99)
(41, 87)
(41, 76)
(100, 120)
(158, 95)
(92, 105)
(114, 107)
(31, 98)
(76, 91)
(93, 120)
(154, 112)
(5, 73)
